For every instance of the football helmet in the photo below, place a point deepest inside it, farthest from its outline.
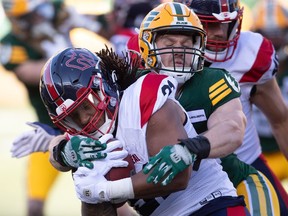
(29, 17)
(172, 18)
(16, 8)
(215, 11)
(73, 81)
(271, 20)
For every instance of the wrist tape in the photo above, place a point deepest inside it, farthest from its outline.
(120, 189)
(198, 145)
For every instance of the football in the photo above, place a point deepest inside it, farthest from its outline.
(120, 172)
(117, 173)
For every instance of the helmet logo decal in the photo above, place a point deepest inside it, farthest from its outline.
(150, 18)
(83, 62)
(64, 106)
(225, 16)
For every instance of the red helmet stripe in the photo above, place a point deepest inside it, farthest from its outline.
(224, 5)
(52, 91)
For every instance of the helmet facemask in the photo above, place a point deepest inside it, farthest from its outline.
(222, 50)
(185, 61)
(100, 108)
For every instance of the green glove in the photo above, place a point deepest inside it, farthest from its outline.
(170, 161)
(81, 151)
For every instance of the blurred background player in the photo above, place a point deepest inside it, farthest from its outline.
(127, 21)
(39, 28)
(271, 20)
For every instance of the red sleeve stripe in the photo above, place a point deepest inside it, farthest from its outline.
(148, 96)
(262, 63)
(52, 91)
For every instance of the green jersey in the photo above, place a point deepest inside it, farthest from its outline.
(14, 52)
(201, 96)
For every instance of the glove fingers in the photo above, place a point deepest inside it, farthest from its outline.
(159, 172)
(119, 163)
(113, 145)
(152, 163)
(25, 137)
(105, 138)
(95, 156)
(87, 164)
(168, 179)
(117, 155)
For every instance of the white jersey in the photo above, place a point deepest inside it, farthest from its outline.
(139, 102)
(254, 62)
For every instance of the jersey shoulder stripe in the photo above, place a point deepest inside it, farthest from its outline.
(218, 91)
(153, 91)
(263, 61)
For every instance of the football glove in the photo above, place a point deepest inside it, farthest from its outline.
(90, 185)
(170, 161)
(33, 141)
(81, 151)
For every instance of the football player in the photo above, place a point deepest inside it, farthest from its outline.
(252, 60)
(165, 43)
(39, 28)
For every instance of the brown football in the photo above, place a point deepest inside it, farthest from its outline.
(120, 172)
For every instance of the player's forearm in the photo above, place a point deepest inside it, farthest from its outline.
(142, 189)
(227, 135)
(280, 134)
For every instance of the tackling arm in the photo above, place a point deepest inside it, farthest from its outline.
(226, 128)
(269, 100)
(164, 128)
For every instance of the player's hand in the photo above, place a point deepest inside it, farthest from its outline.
(91, 185)
(36, 140)
(170, 161)
(81, 151)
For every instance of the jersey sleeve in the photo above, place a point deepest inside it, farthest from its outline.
(155, 90)
(222, 88)
(265, 61)
(14, 52)
(146, 96)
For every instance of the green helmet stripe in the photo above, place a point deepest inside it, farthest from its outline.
(178, 10)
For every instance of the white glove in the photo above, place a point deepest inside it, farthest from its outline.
(33, 141)
(90, 185)
(111, 146)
